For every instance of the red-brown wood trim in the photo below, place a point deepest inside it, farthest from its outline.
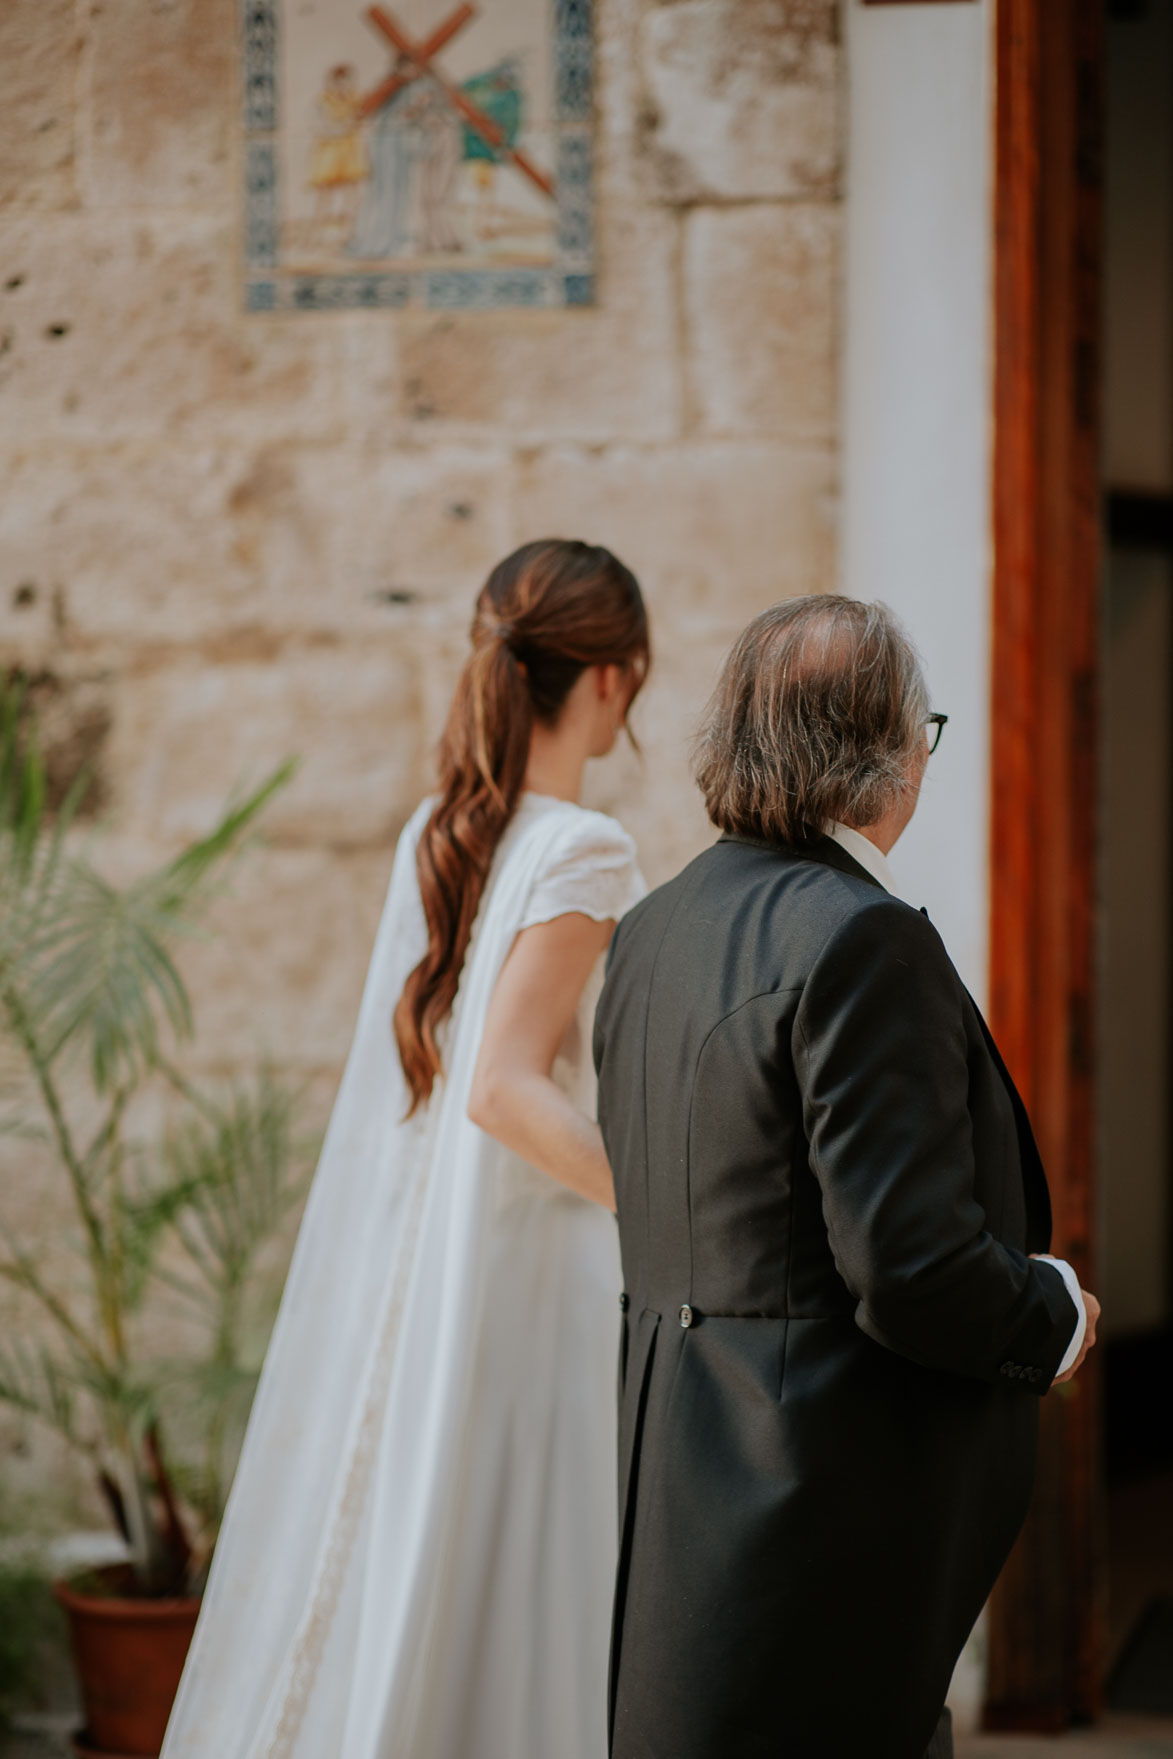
(1046, 1625)
(1015, 498)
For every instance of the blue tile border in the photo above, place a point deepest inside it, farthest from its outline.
(573, 60)
(569, 281)
(259, 28)
(575, 206)
(261, 222)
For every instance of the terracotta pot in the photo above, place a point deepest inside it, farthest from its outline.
(129, 1655)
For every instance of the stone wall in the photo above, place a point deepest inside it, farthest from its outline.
(227, 538)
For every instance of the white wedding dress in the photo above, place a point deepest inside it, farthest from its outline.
(417, 1557)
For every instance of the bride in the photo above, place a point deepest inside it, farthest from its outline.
(417, 1556)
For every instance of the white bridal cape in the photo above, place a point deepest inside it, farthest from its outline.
(417, 1557)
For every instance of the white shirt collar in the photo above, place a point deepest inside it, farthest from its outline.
(861, 849)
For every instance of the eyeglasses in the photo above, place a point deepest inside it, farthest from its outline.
(935, 724)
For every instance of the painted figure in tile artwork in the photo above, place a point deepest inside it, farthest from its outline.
(384, 226)
(439, 168)
(338, 161)
(419, 139)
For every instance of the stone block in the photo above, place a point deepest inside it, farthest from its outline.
(281, 974)
(401, 526)
(597, 373)
(652, 793)
(38, 70)
(188, 735)
(128, 542)
(619, 101)
(713, 529)
(30, 596)
(158, 121)
(742, 99)
(146, 544)
(761, 296)
(130, 327)
(371, 402)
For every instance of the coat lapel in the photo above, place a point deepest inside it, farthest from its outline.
(1034, 1178)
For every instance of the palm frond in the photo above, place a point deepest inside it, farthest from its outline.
(124, 1392)
(243, 1167)
(188, 878)
(37, 1383)
(145, 1217)
(88, 971)
(189, 1390)
(105, 972)
(19, 1268)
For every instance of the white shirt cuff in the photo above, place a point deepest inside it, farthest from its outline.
(1073, 1289)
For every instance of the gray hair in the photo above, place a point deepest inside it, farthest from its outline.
(818, 715)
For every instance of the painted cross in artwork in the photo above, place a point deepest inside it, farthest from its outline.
(417, 152)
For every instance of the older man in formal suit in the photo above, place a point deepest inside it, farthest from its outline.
(837, 1319)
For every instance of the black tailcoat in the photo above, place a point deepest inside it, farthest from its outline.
(827, 1188)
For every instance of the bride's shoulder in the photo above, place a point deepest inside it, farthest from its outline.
(571, 835)
(589, 865)
(582, 827)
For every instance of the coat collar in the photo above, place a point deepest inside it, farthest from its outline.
(830, 853)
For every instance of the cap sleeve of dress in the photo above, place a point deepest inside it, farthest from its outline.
(591, 871)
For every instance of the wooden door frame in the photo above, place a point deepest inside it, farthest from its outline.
(1046, 1625)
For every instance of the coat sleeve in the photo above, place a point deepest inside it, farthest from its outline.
(880, 1050)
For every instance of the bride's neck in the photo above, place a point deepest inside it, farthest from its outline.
(556, 764)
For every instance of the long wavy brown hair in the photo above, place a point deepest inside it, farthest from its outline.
(544, 615)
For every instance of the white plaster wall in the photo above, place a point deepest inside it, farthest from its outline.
(915, 440)
(915, 427)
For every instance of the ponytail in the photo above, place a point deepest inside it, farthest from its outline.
(545, 614)
(482, 765)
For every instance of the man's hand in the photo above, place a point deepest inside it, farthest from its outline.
(1092, 1308)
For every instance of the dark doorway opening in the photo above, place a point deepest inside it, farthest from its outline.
(1135, 976)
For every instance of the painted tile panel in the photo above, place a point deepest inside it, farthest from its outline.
(417, 153)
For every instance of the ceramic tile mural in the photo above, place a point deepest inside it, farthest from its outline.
(417, 152)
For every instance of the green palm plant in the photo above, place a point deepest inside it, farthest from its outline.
(92, 1006)
(235, 1166)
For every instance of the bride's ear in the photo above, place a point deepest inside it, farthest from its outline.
(608, 682)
